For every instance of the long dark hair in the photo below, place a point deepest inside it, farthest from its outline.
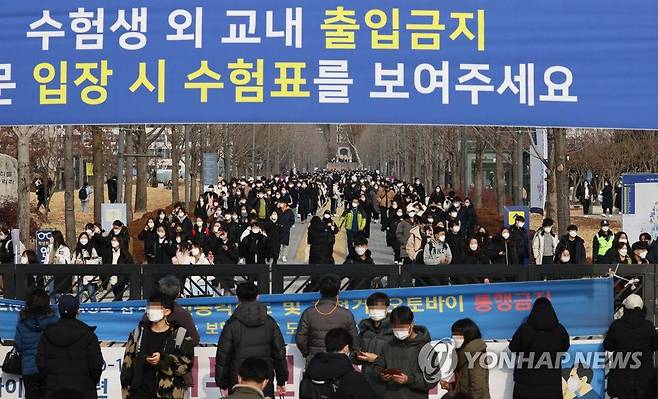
(37, 304)
(58, 240)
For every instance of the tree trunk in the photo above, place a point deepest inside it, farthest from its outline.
(551, 195)
(515, 172)
(128, 190)
(479, 171)
(193, 175)
(500, 178)
(142, 177)
(24, 134)
(99, 171)
(562, 181)
(228, 137)
(464, 162)
(69, 188)
(175, 159)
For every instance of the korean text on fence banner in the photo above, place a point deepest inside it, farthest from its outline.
(497, 308)
(533, 63)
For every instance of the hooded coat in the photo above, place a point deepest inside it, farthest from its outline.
(28, 335)
(250, 332)
(330, 366)
(632, 333)
(541, 333)
(69, 356)
(403, 356)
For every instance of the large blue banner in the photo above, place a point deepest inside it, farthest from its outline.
(497, 308)
(580, 63)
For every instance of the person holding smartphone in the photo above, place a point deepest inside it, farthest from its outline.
(399, 359)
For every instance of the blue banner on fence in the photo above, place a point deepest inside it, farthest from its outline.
(535, 63)
(497, 308)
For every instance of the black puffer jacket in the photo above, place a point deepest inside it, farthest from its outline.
(250, 332)
(541, 333)
(632, 333)
(372, 340)
(69, 356)
(329, 366)
(403, 355)
(319, 238)
(315, 323)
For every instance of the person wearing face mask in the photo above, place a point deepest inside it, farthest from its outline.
(456, 242)
(273, 232)
(6, 246)
(502, 250)
(437, 251)
(149, 237)
(85, 254)
(545, 243)
(437, 197)
(602, 243)
(354, 221)
(164, 249)
(118, 255)
(201, 208)
(474, 253)
(420, 190)
(121, 232)
(399, 359)
(652, 247)
(519, 236)
(362, 256)
(572, 242)
(416, 242)
(334, 368)
(629, 335)
(69, 353)
(286, 222)
(472, 378)
(196, 285)
(322, 316)
(200, 232)
(621, 254)
(183, 222)
(161, 219)
(159, 353)
(319, 238)
(375, 331)
(391, 237)
(253, 247)
(333, 229)
(540, 333)
(563, 256)
(304, 206)
(470, 216)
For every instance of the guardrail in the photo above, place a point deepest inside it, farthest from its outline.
(121, 282)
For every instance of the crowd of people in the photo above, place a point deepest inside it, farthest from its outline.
(249, 221)
(61, 355)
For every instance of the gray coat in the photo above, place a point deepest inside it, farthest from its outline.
(372, 340)
(402, 233)
(315, 323)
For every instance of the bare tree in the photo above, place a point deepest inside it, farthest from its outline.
(24, 134)
(69, 187)
(99, 171)
(144, 139)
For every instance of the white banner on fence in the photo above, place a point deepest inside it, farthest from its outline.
(501, 383)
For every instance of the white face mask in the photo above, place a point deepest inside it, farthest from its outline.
(473, 247)
(117, 231)
(547, 230)
(605, 229)
(89, 232)
(399, 214)
(199, 224)
(623, 252)
(430, 220)
(456, 229)
(520, 224)
(401, 333)
(115, 244)
(327, 216)
(151, 225)
(506, 235)
(412, 214)
(623, 240)
(453, 214)
(573, 384)
(155, 315)
(442, 238)
(573, 233)
(84, 241)
(161, 234)
(565, 259)
(355, 204)
(377, 314)
(23, 260)
(195, 252)
(458, 341)
(255, 231)
(360, 250)
(215, 229)
(643, 255)
(274, 218)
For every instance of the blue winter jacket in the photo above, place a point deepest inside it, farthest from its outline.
(28, 335)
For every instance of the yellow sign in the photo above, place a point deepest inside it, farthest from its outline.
(90, 169)
(511, 216)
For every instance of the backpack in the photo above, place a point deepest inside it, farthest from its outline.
(180, 337)
(433, 254)
(82, 194)
(311, 389)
